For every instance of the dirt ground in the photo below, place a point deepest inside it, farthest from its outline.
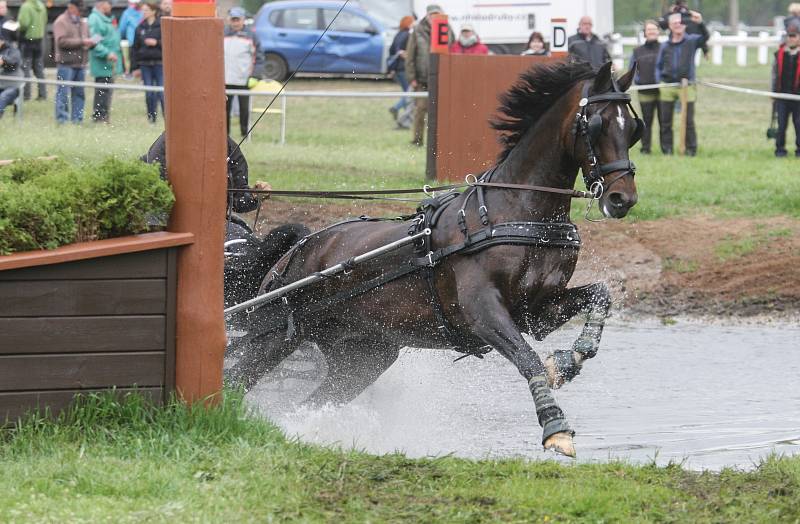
(669, 267)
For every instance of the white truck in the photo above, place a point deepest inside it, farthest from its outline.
(504, 25)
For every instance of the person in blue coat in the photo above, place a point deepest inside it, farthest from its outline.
(130, 19)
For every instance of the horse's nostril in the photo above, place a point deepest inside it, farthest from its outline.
(617, 199)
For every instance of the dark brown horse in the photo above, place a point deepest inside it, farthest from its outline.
(558, 118)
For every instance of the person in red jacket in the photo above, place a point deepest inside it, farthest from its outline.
(468, 42)
(786, 79)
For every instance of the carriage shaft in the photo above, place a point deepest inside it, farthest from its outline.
(325, 273)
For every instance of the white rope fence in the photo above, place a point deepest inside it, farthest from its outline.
(365, 94)
(357, 94)
(245, 92)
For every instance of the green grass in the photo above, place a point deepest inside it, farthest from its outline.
(351, 143)
(731, 247)
(124, 461)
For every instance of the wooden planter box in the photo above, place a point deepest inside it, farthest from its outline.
(88, 317)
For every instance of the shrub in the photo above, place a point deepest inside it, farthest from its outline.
(47, 204)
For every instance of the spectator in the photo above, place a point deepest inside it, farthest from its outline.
(675, 62)
(417, 58)
(786, 79)
(586, 46)
(104, 57)
(644, 62)
(32, 20)
(3, 12)
(166, 7)
(131, 17)
(244, 65)
(692, 27)
(8, 24)
(72, 43)
(397, 62)
(536, 45)
(10, 62)
(127, 30)
(469, 43)
(146, 58)
(794, 16)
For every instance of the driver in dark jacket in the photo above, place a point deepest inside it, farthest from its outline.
(250, 261)
(237, 173)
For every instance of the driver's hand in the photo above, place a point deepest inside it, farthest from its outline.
(263, 186)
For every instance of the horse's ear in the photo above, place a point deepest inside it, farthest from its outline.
(602, 82)
(626, 80)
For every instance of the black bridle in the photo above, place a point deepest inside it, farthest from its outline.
(591, 127)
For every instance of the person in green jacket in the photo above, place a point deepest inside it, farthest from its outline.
(32, 20)
(104, 58)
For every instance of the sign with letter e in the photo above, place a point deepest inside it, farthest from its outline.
(558, 40)
(440, 34)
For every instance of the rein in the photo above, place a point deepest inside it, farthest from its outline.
(471, 181)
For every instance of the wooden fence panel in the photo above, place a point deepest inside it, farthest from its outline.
(467, 98)
(82, 325)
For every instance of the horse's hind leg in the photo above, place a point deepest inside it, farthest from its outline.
(262, 355)
(353, 365)
(595, 300)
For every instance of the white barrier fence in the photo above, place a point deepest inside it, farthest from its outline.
(283, 95)
(741, 41)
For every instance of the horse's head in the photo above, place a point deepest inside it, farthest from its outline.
(606, 127)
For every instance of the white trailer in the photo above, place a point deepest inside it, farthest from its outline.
(507, 24)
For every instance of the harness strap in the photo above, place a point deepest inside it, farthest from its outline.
(543, 234)
(617, 165)
(574, 193)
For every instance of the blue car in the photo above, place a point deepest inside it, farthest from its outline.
(355, 43)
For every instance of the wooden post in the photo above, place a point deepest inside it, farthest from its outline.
(684, 94)
(196, 161)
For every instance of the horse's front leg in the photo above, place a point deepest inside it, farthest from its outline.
(593, 299)
(491, 321)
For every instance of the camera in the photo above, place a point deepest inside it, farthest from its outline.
(771, 133)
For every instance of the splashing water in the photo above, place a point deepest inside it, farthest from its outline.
(709, 396)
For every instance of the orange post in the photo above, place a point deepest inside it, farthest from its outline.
(196, 161)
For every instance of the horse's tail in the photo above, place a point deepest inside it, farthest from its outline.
(245, 272)
(279, 241)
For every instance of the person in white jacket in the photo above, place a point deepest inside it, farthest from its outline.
(244, 65)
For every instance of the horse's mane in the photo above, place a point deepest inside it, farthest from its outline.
(532, 95)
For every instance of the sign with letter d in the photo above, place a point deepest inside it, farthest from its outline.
(558, 40)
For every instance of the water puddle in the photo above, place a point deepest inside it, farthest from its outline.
(707, 396)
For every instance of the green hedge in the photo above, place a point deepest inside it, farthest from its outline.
(46, 204)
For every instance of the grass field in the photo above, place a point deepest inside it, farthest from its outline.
(122, 462)
(352, 143)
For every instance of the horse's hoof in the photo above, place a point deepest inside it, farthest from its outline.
(554, 378)
(561, 442)
(561, 367)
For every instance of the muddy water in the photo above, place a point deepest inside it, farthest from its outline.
(707, 396)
